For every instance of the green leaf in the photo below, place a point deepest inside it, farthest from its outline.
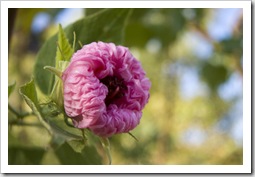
(21, 153)
(64, 49)
(11, 88)
(88, 155)
(107, 25)
(138, 34)
(25, 155)
(49, 114)
(90, 11)
(161, 24)
(77, 145)
(28, 92)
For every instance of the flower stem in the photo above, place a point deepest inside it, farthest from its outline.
(106, 145)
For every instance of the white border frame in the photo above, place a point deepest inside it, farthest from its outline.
(245, 168)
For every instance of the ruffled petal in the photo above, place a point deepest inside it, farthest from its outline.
(85, 94)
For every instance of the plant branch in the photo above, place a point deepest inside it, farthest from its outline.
(19, 115)
(11, 20)
(21, 123)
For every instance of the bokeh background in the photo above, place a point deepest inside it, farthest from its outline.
(193, 58)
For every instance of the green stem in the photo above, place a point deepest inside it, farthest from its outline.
(84, 134)
(74, 40)
(80, 44)
(106, 145)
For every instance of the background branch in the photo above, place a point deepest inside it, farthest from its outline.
(11, 21)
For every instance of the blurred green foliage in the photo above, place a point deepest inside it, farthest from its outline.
(166, 131)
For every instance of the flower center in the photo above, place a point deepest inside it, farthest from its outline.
(116, 88)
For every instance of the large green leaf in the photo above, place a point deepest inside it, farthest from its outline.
(88, 155)
(160, 24)
(90, 11)
(22, 153)
(107, 25)
(25, 155)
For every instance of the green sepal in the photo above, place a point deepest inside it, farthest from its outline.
(57, 91)
(53, 70)
(133, 136)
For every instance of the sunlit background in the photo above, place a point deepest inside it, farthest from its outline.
(193, 58)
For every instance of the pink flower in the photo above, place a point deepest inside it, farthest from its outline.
(105, 89)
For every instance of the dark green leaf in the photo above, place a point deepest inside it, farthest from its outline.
(77, 145)
(11, 88)
(90, 11)
(107, 25)
(137, 34)
(88, 156)
(20, 153)
(25, 155)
